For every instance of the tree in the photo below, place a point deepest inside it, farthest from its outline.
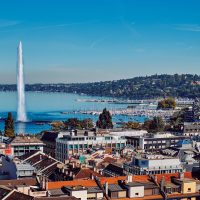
(9, 126)
(168, 103)
(74, 123)
(158, 124)
(155, 125)
(105, 120)
(132, 125)
(146, 125)
(177, 119)
(57, 125)
(87, 124)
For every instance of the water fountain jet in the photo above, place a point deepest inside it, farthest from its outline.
(21, 110)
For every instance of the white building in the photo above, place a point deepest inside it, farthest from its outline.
(22, 144)
(78, 143)
(15, 168)
(153, 164)
(152, 142)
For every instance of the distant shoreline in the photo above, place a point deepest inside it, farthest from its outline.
(146, 87)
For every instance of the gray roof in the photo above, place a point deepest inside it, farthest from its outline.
(56, 192)
(114, 188)
(24, 166)
(134, 184)
(94, 190)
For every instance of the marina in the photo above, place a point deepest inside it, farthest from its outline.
(136, 112)
(43, 108)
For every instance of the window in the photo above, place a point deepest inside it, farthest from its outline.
(114, 195)
(136, 194)
(122, 144)
(189, 189)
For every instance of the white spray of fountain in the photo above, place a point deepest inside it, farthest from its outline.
(21, 110)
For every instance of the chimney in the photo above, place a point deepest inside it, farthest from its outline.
(162, 183)
(92, 176)
(106, 188)
(181, 175)
(71, 174)
(129, 178)
(155, 178)
(44, 183)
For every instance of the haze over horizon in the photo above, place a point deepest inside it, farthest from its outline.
(76, 41)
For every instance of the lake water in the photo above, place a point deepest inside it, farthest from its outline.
(49, 107)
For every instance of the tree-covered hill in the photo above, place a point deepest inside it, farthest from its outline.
(185, 85)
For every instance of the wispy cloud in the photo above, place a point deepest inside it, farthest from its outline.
(184, 45)
(130, 26)
(188, 27)
(98, 41)
(7, 23)
(65, 24)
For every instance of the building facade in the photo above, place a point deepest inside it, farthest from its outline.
(153, 164)
(154, 142)
(193, 112)
(78, 143)
(21, 145)
(16, 169)
(191, 128)
(49, 140)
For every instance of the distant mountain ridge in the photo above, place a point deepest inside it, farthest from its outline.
(155, 86)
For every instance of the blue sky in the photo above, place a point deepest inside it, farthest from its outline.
(93, 40)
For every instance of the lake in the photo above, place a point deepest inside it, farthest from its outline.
(54, 106)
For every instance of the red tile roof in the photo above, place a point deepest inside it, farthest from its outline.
(86, 174)
(141, 178)
(168, 176)
(14, 182)
(18, 196)
(60, 184)
(108, 160)
(89, 183)
(114, 180)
